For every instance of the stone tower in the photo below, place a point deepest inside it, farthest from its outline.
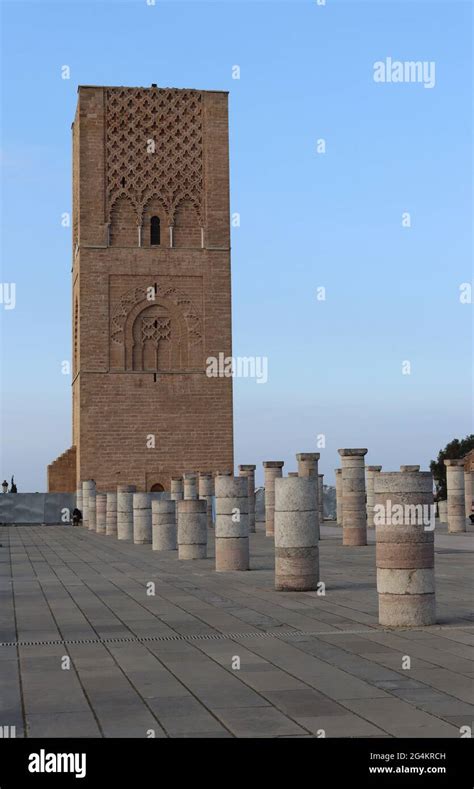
(151, 295)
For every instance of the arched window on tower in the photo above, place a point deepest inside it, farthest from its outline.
(155, 231)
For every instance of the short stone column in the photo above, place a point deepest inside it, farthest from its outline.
(321, 498)
(338, 472)
(456, 502)
(142, 518)
(79, 499)
(371, 471)
(248, 471)
(87, 486)
(192, 529)
(163, 524)
(443, 511)
(101, 513)
(409, 468)
(308, 464)
(206, 492)
(125, 511)
(293, 474)
(296, 535)
(190, 486)
(232, 523)
(468, 489)
(404, 529)
(91, 509)
(273, 469)
(177, 489)
(354, 514)
(111, 515)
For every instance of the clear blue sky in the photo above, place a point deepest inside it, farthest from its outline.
(307, 220)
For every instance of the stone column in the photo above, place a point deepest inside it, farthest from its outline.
(456, 502)
(101, 513)
(232, 523)
(249, 472)
(206, 492)
(192, 529)
(321, 498)
(443, 511)
(405, 548)
(79, 499)
(293, 474)
(125, 511)
(354, 515)
(409, 468)
(308, 464)
(87, 487)
(308, 467)
(141, 518)
(163, 524)
(273, 469)
(338, 472)
(190, 486)
(468, 491)
(371, 471)
(111, 515)
(91, 508)
(296, 535)
(177, 492)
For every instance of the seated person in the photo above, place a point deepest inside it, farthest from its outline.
(76, 517)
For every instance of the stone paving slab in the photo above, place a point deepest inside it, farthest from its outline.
(163, 665)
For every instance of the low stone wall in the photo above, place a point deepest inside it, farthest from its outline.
(36, 508)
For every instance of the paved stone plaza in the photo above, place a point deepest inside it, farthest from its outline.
(307, 662)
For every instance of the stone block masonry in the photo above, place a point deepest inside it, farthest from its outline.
(147, 309)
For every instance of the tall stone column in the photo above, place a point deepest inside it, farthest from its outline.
(101, 513)
(273, 469)
(405, 548)
(468, 491)
(177, 492)
(91, 509)
(248, 471)
(142, 518)
(296, 536)
(125, 511)
(354, 515)
(88, 486)
(206, 492)
(79, 499)
(192, 529)
(371, 471)
(232, 523)
(456, 502)
(308, 467)
(163, 523)
(338, 472)
(443, 511)
(111, 515)
(190, 486)
(321, 498)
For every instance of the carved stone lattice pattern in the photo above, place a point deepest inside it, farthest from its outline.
(155, 329)
(172, 119)
(138, 295)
